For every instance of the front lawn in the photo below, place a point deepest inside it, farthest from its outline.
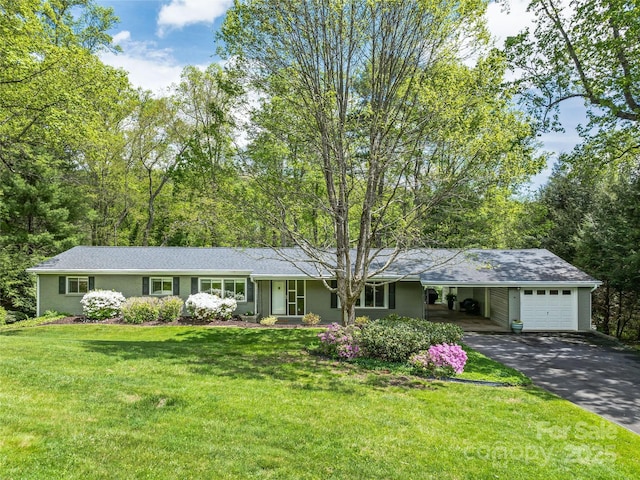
(104, 401)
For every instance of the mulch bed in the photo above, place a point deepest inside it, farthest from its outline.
(184, 321)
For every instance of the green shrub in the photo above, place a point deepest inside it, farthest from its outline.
(3, 316)
(311, 319)
(268, 320)
(362, 320)
(140, 309)
(170, 309)
(395, 339)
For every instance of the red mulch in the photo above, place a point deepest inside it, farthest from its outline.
(184, 321)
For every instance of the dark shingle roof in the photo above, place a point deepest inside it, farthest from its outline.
(504, 267)
(434, 267)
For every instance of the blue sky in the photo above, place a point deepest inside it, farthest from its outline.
(160, 37)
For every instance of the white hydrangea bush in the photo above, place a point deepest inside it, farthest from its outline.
(207, 307)
(102, 304)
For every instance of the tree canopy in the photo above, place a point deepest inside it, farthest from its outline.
(361, 85)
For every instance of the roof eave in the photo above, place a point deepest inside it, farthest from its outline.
(515, 284)
(84, 271)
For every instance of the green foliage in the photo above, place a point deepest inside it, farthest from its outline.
(3, 316)
(592, 202)
(18, 320)
(363, 134)
(170, 309)
(395, 338)
(585, 49)
(311, 319)
(361, 320)
(54, 92)
(140, 310)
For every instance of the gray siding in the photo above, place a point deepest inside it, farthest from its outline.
(128, 285)
(499, 304)
(409, 301)
(263, 298)
(584, 309)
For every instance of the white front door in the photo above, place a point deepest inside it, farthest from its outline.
(278, 297)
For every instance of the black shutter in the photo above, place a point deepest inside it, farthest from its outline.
(176, 286)
(194, 285)
(249, 290)
(392, 296)
(334, 296)
(92, 283)
(145, 285)
(62, 285)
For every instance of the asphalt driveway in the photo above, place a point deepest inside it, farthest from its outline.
(587, 370)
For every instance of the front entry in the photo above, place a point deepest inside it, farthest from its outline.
(278, 297)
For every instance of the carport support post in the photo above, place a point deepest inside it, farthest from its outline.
(425, 301)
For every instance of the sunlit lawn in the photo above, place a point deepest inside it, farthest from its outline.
(104, 401)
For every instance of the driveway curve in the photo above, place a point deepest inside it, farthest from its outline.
(592, 372)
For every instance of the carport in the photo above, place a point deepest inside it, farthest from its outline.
(440, 313)
(535, 286)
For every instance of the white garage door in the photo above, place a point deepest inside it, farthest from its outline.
(549, 308)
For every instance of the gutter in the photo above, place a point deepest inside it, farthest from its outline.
(182, 273)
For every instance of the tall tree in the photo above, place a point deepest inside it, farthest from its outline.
(356, 76)
(585, 49)
(53, 91)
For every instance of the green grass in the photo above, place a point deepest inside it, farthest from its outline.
(104, 401)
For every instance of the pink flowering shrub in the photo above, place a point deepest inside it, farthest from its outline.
(442, 360)
(341, 342)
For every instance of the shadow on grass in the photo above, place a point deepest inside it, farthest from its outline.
(479, 364)
(269, 355)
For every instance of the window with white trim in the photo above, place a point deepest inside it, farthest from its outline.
(374, 295)
(161, 285)
(232, 287)
(296, 297)
(77, 285)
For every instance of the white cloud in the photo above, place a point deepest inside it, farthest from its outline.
(503, 22)
(121, 37)
(149, 67)
(180, 13)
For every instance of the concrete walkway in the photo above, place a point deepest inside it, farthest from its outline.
(590, 371)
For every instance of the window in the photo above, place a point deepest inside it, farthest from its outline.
(232, 287)
(374, 295)
(553, 292)
(566, 292)
(541, 292)
(79, 285)
(161, 286)
(295, 297)
(211, 285)
(528, 292)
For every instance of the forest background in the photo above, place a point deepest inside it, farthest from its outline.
(230, 157)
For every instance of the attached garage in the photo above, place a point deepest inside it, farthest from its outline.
(535, 286)
(549, 309)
